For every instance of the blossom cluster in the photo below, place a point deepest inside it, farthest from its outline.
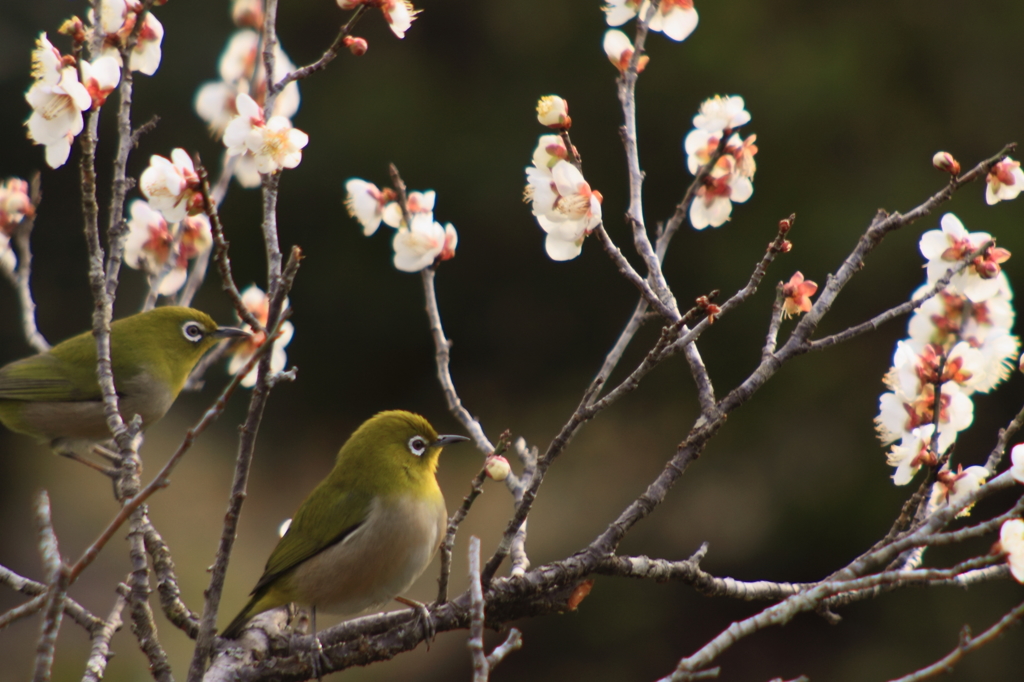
(675, 18)
(63, 87)
(58, 97)
(116, 22)
(15, 206)
(566, 207)
(959, 344)
(164, 249)
(731, 178)
(242, 73)
(419, 240)
(169, 228)
(257, 302)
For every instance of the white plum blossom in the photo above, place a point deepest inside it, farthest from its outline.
(954, 489)
(1011, 540)
(416, 203)
(1004, 182)
(567, 209)
(398, 13)
(947, 247)
(913, 451)
(57, 114)
(959, 340)
(100, 78)
(964, 366)
(618, 12)
(241, 62)
(117, 20)
(550, 150)
(721, 113)
(675, 18)
(700, 146)
(274, 144)
(171, 185)
(1017, 458)
(417, 245)
(242, 71)
(365, 202)
(553, 112)
(149, 241)
(423, 242)
(57, 100)
(257, 303)
(15, 206)
(1000, 352)
(899, 413)
(619, 49)
(730, 180)
(713, 202)
(152, 243)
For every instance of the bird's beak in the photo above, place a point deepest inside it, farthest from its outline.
(230, 333)
(447, 440)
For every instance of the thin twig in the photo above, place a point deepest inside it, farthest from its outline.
(100, 654)
(481, 671)
(57, 585)
(632, 275)
(900, 310)
(476, 487)
(771, 339)
(968, 644)
(442, 357)
(78, 613)
(325, 59)
(167, 584)
(197, 274)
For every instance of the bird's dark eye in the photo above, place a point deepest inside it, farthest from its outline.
(417, 445)
(193, 331)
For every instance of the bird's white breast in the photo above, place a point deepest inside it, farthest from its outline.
(378, 561)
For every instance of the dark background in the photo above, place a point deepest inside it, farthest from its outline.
(849, 102)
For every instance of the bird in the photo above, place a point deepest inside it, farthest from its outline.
(367, 531)
(55, 396)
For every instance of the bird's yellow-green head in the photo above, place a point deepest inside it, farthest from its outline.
(166, 342)
(391, 452)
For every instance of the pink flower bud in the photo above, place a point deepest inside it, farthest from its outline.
(945, 161)
(497, 467)
(356, 45)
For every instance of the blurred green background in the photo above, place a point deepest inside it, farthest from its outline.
(849, 102)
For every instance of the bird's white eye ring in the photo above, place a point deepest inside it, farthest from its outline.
(193, 331)
(417, 445)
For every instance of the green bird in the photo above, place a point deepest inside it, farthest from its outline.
(55, 396)
(367, 531)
